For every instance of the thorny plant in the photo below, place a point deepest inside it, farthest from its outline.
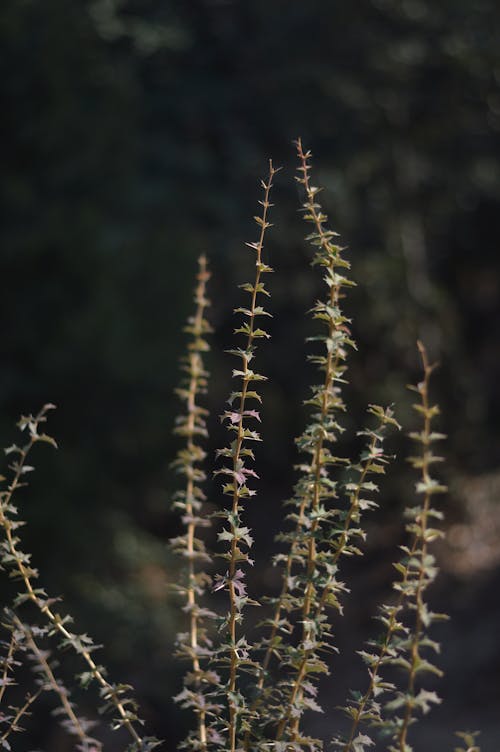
(248, 694)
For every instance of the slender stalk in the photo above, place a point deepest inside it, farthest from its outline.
(284, 591)
(374, 452)
(76, 725)
(422, 520)
(192, 426)
(26, 573)
(329, 402)
(392, 627)
(417, 572)
(247, 376)
(109, 692)
(7, 665)
(271, 640)
(13, 726)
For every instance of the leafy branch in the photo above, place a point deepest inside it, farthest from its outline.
(113, 695)
(192, 427)
(401, 644)
(236, 651)
(76, 726)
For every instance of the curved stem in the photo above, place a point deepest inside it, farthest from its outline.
(109, 692)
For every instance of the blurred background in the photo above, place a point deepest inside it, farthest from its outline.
(134, 134)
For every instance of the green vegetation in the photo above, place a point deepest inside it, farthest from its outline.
(245, 690)
(133, 136)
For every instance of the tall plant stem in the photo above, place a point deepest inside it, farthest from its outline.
(328, 402)
(352, 513)
(246, 377)
(109, 692)
(196, 373)
(417, 552)
(414, 657)
(275, 622)
(76, 725)
(384, 648)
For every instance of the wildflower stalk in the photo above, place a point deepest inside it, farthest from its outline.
(373, 456)
(316, 487)
(9, 662)
(358, 710)
(75, 725)
(113, 695)
(422, 567)
(372, 462)
(238, 472)
(192, 426)
(401, 644)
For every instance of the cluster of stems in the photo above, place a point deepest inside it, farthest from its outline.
(115, 697)
(326, 512)
(264, 709)
(76, 726)
(251, 696)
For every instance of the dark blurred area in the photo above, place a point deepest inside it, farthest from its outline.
(133, 138)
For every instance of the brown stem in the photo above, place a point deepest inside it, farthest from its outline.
(354, 506)
(12, 727)
(7, 666)
(330, 370)
(418, 537)
(38, 654)
(417, 632)
(246, 378)
(374, 670)
(44, 608)
(195, 373)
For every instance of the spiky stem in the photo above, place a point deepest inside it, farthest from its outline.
(237, 453)
(328, 255)
(192, 426)
(429, 488)
(246, 378)
(417, 572)
(18, 560)
(76, 726)
(13, 725)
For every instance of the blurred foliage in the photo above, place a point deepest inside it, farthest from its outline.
(133, 137)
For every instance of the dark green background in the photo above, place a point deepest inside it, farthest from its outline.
(133, 137)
